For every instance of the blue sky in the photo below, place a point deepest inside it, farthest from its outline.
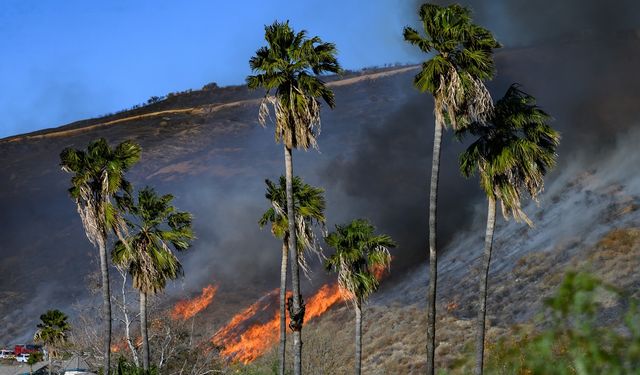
(67, 60)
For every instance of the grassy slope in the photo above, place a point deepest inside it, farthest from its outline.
(394, 343)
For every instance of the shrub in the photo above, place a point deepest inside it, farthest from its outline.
(576, 342)
(127, 368)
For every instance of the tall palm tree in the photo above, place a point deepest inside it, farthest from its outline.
(98, 174)
(288, 68)
(512, 154)
(461, 58)
(359, 253)
(309, 204)
(52, 332)
(154, 227)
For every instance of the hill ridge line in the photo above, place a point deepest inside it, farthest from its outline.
(209, 108)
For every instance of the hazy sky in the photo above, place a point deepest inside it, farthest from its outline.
(67, 60)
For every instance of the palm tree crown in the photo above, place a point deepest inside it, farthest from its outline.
(290, 65)
(309, 205)
(463, 59)
(513, 152)
(98, 175)
(156, 226)
(359, 252)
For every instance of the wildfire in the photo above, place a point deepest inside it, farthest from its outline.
(319, 303)
(121, 344)
(245, 346)
(188, 308)
(234, 328)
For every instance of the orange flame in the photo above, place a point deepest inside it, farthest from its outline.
(227, 333)
(118, 346)
(121, 344)
(379, 272)
(189, 308)
(258, 338)
(319, 303)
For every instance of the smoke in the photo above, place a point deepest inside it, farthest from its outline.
(585, 81)
(523, 22)
(584, 202)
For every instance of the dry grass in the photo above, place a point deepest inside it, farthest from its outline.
(394, 336)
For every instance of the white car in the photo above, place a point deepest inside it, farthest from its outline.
(24, 357)
(4, 353)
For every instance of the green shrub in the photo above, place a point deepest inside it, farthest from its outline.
(127, 368)
(575, 342)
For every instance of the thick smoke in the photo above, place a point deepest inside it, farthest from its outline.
(581, 67)
(523, 22)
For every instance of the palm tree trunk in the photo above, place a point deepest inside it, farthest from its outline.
(283, 312)
(484, 278)
(106, 305)
(296, 313)
(143, 331)
(49, 359)
(358, 338)
(433, 260)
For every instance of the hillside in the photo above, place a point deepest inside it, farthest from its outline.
(206, 148)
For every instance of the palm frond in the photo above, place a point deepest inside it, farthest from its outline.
(513, 152)
(463, 60)
(146, 251)
(309, 205)
(358, 253)
(288, 68)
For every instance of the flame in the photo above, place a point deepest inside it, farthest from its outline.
(233, 328)
(379, 272)
(319, 303)
(121, 344)
(118, 346)
(254, 342)
(188, 308)
(245, 346)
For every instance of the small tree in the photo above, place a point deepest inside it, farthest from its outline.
(52, 333)
(33, 359)
(359, 254)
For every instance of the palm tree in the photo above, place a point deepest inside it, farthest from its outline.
(155, 226)
(289, 68)
(461, 59)
(98, 175)
(512, 154)
(52, 332)
(309, 203)
(359, 253)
